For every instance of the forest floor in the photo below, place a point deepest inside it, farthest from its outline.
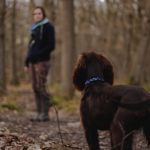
(17, 132)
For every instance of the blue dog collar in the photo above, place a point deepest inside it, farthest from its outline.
(94, 79)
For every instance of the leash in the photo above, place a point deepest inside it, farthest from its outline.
(58, 125)
(60, 132)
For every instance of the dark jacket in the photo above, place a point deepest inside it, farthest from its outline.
(41, 44)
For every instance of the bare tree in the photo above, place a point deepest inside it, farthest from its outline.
(50, 9)
(15, 79)
(2, 47)
(68, 46)
(144, 44)
(31, 7)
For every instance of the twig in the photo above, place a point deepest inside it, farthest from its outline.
(121, 143)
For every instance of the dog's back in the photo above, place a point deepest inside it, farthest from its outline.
(130, 97)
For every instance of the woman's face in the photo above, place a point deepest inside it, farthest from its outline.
(37, 15)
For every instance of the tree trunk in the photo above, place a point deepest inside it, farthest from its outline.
(15, 79)
(31, 8)
(2, 48)
(144, 46)
(68, 46)
(50, 9)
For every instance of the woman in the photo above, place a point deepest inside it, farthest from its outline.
(41, 44)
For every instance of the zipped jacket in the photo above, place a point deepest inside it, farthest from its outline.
(41, 44)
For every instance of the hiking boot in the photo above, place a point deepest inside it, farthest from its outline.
(38, 108)
(44, 109)
(44, 117)
(36, 118)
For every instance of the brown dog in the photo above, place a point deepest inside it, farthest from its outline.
(120, 109)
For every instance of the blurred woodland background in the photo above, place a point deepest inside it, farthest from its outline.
(119, 29)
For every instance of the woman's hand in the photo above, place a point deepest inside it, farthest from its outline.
(26, 69)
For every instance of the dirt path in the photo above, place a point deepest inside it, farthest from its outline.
(17, 132)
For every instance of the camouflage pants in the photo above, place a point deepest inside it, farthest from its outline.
(38, 73)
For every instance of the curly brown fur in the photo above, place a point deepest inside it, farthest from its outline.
(107, 107)
(80, 74)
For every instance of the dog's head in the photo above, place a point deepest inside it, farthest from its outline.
(90, 65)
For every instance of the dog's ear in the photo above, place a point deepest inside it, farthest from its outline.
(108, 72)
(79, 73)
